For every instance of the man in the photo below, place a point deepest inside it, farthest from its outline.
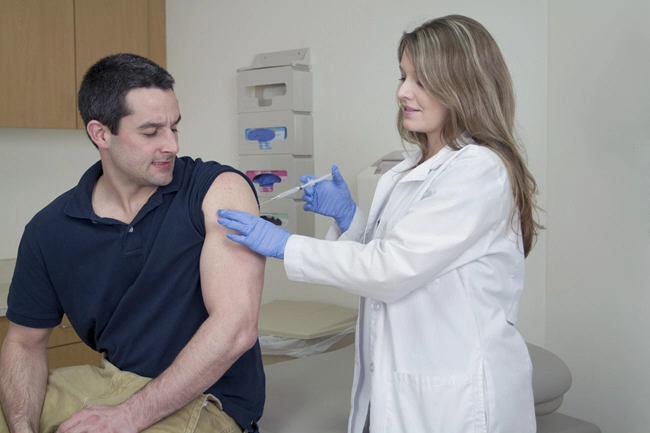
(136, 259)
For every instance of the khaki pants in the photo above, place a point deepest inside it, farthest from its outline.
(71, 389)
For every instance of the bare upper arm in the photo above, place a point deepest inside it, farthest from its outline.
(232, 276)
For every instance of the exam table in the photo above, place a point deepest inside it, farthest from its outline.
(311, 392)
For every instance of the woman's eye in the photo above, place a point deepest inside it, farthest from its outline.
(402, 79)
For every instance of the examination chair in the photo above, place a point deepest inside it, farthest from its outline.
(551, 380)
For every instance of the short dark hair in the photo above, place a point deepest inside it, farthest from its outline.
(102, 94)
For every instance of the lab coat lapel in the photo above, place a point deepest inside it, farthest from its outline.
(434, 167)
(385, 188)
(389, 183)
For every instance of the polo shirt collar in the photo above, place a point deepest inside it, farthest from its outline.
(80, 203)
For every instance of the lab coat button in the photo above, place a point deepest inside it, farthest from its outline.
(376, 306)
(372, 367)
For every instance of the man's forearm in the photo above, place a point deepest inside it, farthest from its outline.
(207, 356)
(23, 381)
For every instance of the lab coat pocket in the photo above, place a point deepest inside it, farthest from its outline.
(434, 404)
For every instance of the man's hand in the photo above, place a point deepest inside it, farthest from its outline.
(104, 419)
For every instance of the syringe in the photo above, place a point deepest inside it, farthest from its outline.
(298, 188)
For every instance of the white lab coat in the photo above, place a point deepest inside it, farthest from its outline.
(440, 271)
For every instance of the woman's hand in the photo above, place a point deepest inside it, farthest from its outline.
(330, 198)
(259, 235)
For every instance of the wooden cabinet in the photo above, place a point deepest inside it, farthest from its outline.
(64, 348)
(104, 27)
(47, 46)
(37, 65)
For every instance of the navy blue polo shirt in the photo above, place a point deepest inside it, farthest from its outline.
(130, 290)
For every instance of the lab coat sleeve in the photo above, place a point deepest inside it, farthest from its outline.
(454, 222)
(354, 233)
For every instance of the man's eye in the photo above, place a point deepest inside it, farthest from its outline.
(151, 134)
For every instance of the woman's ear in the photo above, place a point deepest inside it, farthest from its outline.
(98, 133)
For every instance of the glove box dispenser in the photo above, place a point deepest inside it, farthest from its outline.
(276, 132)
(273, 89)
(272, 174)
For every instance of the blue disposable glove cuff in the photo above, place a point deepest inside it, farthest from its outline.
(344, 219)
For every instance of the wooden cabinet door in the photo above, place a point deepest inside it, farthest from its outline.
(46, 47)
(105, 27)
(4, 326)
(72, 354)
(37, 73)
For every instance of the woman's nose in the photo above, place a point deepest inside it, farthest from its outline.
(403, 91)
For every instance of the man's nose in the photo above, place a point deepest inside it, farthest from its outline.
(170, 144)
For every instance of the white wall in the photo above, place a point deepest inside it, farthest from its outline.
(36, 166)
(355, 71)
(598, 247)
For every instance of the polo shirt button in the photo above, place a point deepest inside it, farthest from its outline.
(376, 306)
(131, 230)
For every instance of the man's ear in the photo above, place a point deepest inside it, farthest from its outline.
(98, 133)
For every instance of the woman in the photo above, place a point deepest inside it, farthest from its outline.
(439, 262)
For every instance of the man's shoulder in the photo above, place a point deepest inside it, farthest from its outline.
(53, 212)
(193, 166)
(197, 172)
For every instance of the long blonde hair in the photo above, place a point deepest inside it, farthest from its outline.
(459, 63)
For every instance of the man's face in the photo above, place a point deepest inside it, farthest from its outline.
(144, 149)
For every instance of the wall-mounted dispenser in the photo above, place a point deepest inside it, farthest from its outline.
(276, 134)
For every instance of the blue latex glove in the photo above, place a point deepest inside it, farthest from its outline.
(331, 198)
(259, 235)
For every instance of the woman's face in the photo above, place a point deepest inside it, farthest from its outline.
(422, 112)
